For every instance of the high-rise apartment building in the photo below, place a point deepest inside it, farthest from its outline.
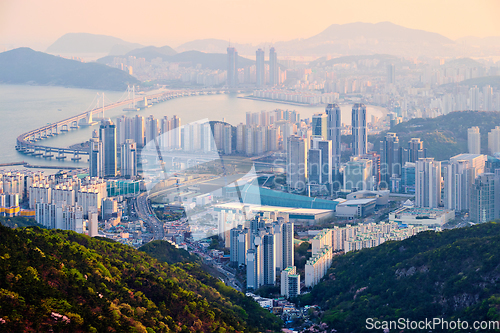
(391, 74)
(273, 68)
(494, 140)
(287, 244)
(484, 198)
(129, 159)
(474, 140)
(96, 158)
(151, 129)
(260, 68)
(459, 175)
(427, 183)
(487, 98)
(138, 131)
(240, 138)
(290, 282)
(269, 258)
(474, 98)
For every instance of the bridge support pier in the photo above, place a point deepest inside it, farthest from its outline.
(76, 156)
(61, 155)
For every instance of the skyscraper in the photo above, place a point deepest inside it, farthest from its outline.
(427, 183)
(240, 138)
(287, 244)
(487, 98)
(138, 131)
(121, 129)
(129, 159)
(227, 139)
(175, 124)
(165, 141)
(314, 166)
(232, 67)
(494, 140)
(253, 269)
(474, 98)
(359, 131)
(334, 126)
(296, 164)
(260, 68)
(457, 184)
(320, 125)
(389, 156)
(151, 129)
(107, 135)
(415, 150)
(273, 68)
(358, 174)
(96, 158)
(269, 258)
(474, 140)
(391, 74)
(320, 162)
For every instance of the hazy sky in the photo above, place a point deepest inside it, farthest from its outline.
(38, 23)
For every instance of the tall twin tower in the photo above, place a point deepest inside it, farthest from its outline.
(359, 130)
(260, 68)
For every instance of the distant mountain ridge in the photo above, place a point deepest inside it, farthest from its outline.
(77, 43)
(353, 38)
(366, 38)
(26, 66)
(152, 52)
(213, 45)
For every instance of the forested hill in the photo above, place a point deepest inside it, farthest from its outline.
(26, 66)
(166, 252)
(255, 315)
(451, 274)
(61, 281)
(444, 136)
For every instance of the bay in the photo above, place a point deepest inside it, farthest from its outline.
(23, 108)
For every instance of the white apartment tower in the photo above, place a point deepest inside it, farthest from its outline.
(474, 140)
(427, 183)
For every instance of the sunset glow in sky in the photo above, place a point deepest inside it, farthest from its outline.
(38, 23)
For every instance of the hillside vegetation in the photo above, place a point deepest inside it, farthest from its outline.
(166, 252)
(61, 281)
(444, 136)
(256, 316)
(451, 274)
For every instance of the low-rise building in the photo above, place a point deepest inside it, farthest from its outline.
(355, 208)
(422, 216)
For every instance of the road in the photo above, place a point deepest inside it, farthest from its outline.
(145, 213)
